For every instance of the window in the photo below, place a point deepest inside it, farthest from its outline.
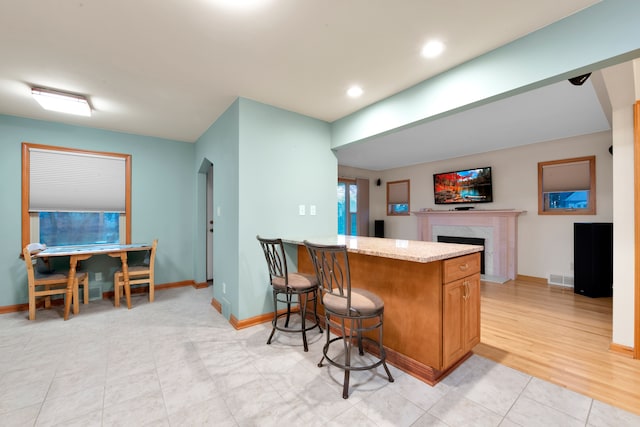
(74, 197)
(78, 228)
(398, 197)
(567, 187)
(347, 207)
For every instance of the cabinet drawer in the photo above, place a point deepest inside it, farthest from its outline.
(457, 268)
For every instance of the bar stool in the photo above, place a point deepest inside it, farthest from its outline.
(285, 286)
(356, 311)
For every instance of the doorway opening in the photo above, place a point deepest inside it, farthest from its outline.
(209, 224)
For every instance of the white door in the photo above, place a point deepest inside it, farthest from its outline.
(209, 225)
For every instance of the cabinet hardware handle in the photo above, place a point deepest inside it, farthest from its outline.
(464, 267)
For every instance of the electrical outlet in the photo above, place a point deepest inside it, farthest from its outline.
(312, 209)
(98, 277)
(301, 210)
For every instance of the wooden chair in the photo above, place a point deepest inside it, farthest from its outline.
(85, 286)
(47, 284)
(138, 274)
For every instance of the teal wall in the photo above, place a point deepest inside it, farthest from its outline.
(285, 161)
(162, 198)
(266, 162)
(601, 35)
(219, 145)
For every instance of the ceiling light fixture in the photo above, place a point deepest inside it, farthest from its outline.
(62, 102)
(354, 91)
(432, 49)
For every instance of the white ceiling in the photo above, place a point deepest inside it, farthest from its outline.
(169, 68)
(560, 110)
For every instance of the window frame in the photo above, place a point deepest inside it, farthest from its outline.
(349, 228)
(390, 211)
(26, 165)
(591, 203)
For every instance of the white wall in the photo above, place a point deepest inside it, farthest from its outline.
(545, 243)
(620, 81)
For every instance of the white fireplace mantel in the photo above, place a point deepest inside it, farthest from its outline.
(501, 246)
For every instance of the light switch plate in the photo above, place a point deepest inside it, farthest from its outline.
(301, 210)
(312, 209)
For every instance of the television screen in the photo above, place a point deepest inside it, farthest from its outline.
(464, 186)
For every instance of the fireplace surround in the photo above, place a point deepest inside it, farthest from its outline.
(499, 228)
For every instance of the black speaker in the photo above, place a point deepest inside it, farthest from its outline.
(593, 259)
(378, 228)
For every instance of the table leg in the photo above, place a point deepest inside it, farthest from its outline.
(73, 262)
(125, 278)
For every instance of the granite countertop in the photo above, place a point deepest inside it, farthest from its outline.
(407, 250)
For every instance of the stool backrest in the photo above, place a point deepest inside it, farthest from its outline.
(276, 260)
(331, 265)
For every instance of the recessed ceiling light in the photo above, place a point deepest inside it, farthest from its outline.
(61, 102)
(241, 4)
(354, 91)
(432, 49)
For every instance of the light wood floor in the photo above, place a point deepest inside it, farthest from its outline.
(553, 334)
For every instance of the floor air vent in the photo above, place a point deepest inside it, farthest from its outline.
(561, 280)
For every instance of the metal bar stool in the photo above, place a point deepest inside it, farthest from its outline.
(285, 286)
(356, 311)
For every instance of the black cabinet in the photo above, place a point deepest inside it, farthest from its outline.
(593, 259)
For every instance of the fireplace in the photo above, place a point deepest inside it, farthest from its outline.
(466, 241)
(498, 228)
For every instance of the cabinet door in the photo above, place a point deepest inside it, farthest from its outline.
(453, 337)
(472, 312)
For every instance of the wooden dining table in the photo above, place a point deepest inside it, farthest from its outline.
(82, 252)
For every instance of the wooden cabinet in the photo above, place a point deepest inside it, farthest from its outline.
(431, 309)
(461, 308)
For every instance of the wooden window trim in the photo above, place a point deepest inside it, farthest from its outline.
(408, 182)
(591, 210)
(26, 146)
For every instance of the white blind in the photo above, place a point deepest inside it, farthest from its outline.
(566, 177)
(70, 181)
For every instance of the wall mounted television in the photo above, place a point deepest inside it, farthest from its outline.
(463, 186)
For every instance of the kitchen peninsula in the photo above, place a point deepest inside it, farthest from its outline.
(431, 293)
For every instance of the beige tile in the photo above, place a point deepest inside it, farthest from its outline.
(559, 398)
(603, 415)
(145, 410)
(21, 417)
(69, 407)
(529, 413)
(456, 410)
(179, 362)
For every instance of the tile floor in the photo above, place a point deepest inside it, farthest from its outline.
(178, 362)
